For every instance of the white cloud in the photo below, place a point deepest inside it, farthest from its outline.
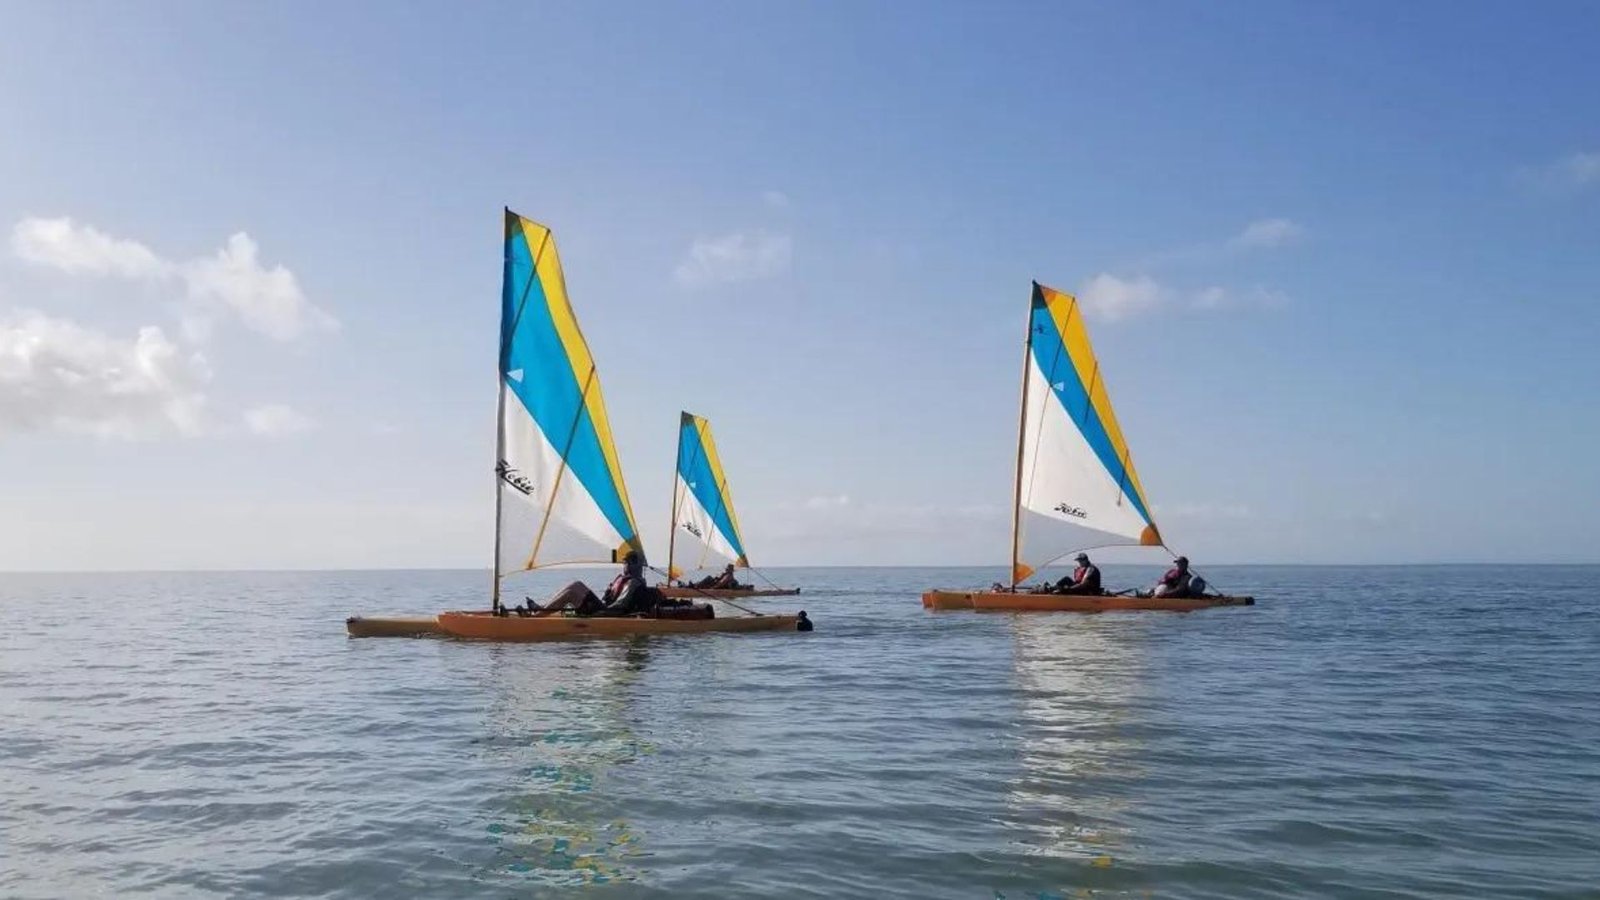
(1204, 511)
(1267, 233)
(1105, 296)
(827, 502)
(1262, 234)
(1221, 298)
(80, 249)
(276, 420)
(741, 256)
(267, 300)
(1575, 172)
(775, 199)
(58, 375)
(1113, 298)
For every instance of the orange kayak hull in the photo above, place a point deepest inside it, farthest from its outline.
(484, 626)
(1002, 601)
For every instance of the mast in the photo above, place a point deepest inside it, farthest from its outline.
(672, 531)
(1022, 433)
(500, 422)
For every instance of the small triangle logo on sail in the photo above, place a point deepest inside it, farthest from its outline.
(515, 375)
(1060, 385)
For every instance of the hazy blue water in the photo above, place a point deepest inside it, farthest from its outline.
(1401, 732)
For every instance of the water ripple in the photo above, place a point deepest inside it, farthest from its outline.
(1414, 733)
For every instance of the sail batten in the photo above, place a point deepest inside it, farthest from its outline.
(561, 495)
(703, 519)
(1076, 483)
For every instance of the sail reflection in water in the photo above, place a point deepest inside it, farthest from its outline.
(1075, 734)
(560, 722)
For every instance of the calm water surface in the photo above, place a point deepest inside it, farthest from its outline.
(1399, 732)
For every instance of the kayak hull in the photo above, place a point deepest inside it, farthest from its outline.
(1003, 601)
(684, 593)
(393, 626)
(483, 626)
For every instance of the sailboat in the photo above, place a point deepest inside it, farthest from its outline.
(702, 512)
(1076, 487)
(559, 494)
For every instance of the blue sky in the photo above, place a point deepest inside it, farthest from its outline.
(1344, 263)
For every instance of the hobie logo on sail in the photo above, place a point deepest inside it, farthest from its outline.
(1071, 511)
(517, 480)
(693, 529)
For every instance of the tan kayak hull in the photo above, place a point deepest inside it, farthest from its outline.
(483, 626)
(1001, 601)
(393, 626)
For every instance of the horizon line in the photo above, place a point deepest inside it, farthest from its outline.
(575, 568)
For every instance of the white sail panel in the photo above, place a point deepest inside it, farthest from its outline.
(1076, 484)
(698, 543)
(1069, 500)
(539, 494)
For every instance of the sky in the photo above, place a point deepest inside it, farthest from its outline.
(1342, 265)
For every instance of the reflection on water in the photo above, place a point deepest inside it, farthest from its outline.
(1420, 734)
(560, 717)
(1078, 681)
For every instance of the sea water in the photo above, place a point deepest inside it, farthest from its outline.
(1389, 732)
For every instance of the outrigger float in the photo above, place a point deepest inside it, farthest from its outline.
(559, 493)
(1076, 487)
(690, 593)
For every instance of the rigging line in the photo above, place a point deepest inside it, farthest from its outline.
(1038, 435)
(1192, 569)
(527, 286)
(500, 403)
(720, 486)
(672, 525)
(1088, 410)
(1124, 458)
(694, 459)
(555, 487)
(722, 506)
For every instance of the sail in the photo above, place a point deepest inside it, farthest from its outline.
(1076, 484)
(561, 498)
(703, 522)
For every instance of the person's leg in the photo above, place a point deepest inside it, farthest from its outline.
(569, 597)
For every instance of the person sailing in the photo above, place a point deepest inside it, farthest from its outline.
(1085, 579)
(725, 581)
(625, 596)
(1179, 581)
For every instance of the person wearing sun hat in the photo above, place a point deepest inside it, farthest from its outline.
(1176, 582)
(1084, 580)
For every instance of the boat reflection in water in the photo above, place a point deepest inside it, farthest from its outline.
(1081, 684)
(559, 722)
